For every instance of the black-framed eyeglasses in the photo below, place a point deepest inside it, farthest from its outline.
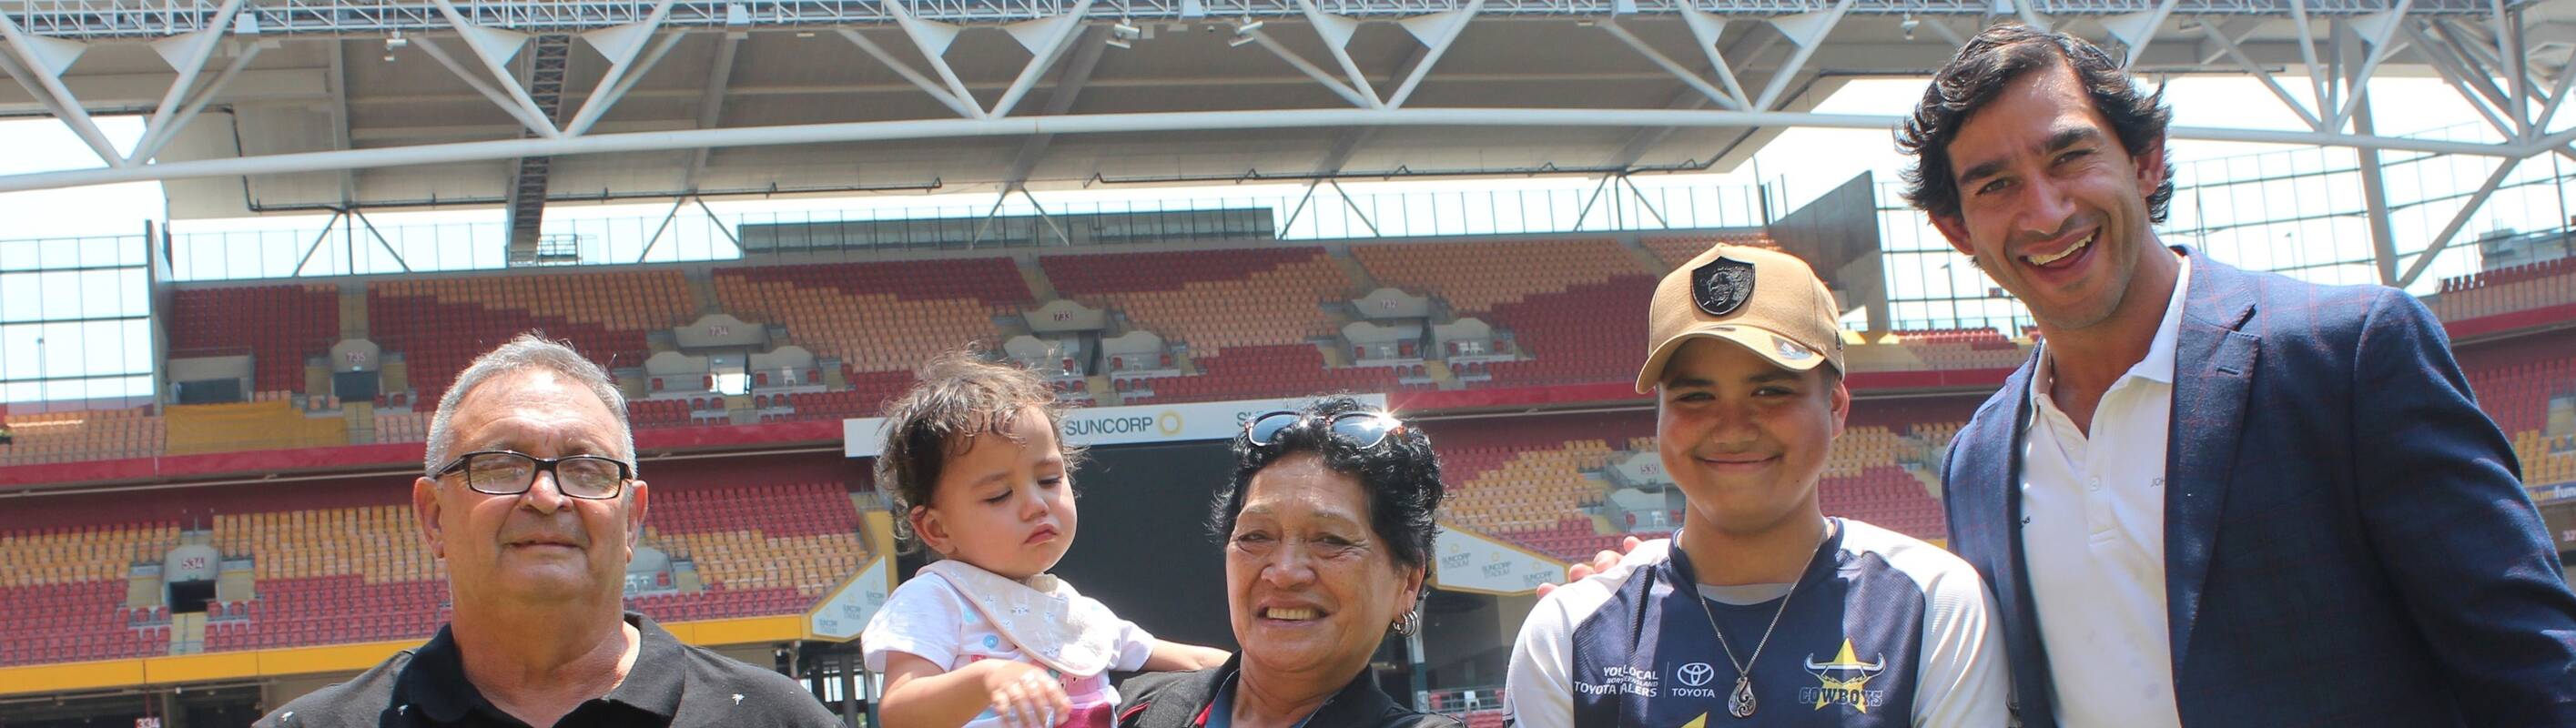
(1358, 429)
(503, 472)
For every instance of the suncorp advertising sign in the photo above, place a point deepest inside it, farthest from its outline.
(865, 437)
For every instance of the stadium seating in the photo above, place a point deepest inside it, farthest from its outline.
(279, 326)
(353, 568)
(204, 428)
(82, 435)
(1587, 333)
(652, 414)
(1211, 299)
(39, 555)
(888, 316)
(866, 396)
(1478, 276)
(2505, 290)
(1516, 476)
(2514, 380)
(1287, 370)
(1963, 348)
(374, 543)
(295, 612)
(1676, 250)
(802, 538)
(72, 622)
(407, 426)
(65, 590)
(440, 325)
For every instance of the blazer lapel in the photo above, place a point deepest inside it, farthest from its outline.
(1986, 485)
(2214, 371)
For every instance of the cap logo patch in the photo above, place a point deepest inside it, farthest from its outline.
(1722, 286)
(1790, 349)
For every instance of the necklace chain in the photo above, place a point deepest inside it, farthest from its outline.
(1744, 668)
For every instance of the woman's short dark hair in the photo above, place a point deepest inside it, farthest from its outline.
(1401, 477)
(1994, 59)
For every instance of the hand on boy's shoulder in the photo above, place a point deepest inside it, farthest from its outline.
(1612, 563)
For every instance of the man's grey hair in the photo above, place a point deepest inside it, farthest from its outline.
(529, 351)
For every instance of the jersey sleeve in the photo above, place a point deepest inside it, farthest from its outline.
(1538, 691)
(921, 617)
(1964, 680)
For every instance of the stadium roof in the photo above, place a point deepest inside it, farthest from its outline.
(303, 110)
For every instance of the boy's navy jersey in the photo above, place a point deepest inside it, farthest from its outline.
(1881, 630)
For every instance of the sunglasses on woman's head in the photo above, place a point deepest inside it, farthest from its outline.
(1357, 429)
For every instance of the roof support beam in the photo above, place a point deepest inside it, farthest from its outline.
(2378, 31)
(1075, 73)
(340, 138)
(2236, 30)
(2461, 219)
(711, 103)
(1718, 61)
(1335, 85)
(309, 250)
(1045, 39)
(2508, 30)
(2374, 186)
(1348, 142)
(2308, 55)
(361, 217)
(1645, 139)
(1436, 32)
(1807, 31)
(39, 66)
(1941, 27)
(874, 131)
(620, 45)
(151, 144)
(2030, 15)
(187, 54)
(2474, 88)
(527, 114)
(2136, 30)
(2260, 73)
(1336, 31)
(963, 105)
(933, 38)
(2557, 97)
(496, 47)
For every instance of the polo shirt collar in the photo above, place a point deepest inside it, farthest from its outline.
(435, 683)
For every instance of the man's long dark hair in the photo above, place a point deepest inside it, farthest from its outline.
(1994, 59)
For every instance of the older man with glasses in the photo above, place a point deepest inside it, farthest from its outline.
(531, 499)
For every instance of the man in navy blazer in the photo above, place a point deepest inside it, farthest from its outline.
(2216, 497)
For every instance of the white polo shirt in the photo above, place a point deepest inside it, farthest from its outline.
(2093, 535)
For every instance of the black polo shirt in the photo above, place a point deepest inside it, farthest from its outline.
(671, 685)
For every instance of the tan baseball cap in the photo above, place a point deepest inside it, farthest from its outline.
(1761, 299)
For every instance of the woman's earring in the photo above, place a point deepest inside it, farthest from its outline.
(1410, 623)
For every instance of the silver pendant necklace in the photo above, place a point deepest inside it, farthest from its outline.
(1739, 702)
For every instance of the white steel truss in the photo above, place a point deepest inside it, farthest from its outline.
(102, 19)
(1733, 78)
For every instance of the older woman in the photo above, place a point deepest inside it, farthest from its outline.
(1327, 528)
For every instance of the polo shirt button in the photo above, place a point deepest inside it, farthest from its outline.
(2097, 483)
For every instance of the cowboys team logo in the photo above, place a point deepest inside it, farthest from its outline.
(1722, 286)
(1845, 681)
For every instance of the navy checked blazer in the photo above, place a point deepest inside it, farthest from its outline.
(2347, 539)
